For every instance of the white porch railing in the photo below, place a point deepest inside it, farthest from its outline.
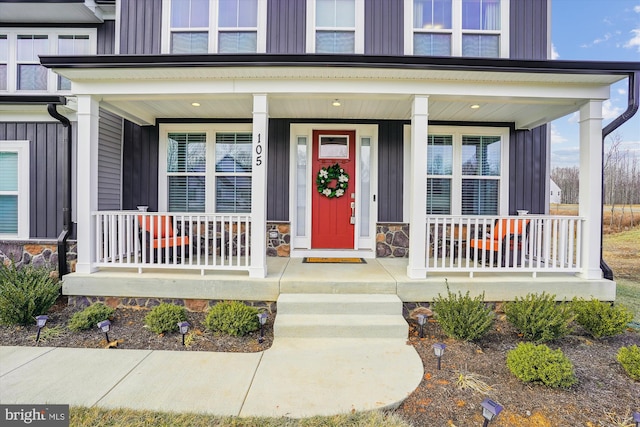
(126, 239)
(531, 243)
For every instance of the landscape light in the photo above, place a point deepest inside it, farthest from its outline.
(104, 326)
(262, 317)
(40, 321)
(184, 328)
(438, 349)
(422, 319)
(490, 410)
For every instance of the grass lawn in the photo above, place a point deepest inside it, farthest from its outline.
(622, 252)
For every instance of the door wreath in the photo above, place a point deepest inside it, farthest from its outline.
(326, 175)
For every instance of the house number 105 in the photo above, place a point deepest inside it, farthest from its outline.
(258, 152)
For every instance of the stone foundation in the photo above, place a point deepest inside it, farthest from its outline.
(193, 305)
(279, 245)
(37, 253)
(392, 240)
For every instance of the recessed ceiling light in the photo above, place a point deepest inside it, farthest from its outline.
(195, 104)
(475, 106)
(336, 103)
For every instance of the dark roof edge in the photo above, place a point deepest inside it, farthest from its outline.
(328, 60)
(33, 99)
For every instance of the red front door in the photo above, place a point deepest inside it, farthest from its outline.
(331, 223)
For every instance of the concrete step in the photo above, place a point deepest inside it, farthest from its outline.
(364, 304)
(340, 326)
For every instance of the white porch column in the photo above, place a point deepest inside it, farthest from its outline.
(590, 198)
(417, 268)
(87, 182)
(258, 266)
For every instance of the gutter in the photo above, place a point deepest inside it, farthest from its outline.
(67, 224)
(632, 108)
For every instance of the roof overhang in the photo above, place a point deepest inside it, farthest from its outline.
(56, 11)
(526, 93)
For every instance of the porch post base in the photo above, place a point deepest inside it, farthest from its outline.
(416, 273)
(85, 268)
(594, 274)
(258, 272)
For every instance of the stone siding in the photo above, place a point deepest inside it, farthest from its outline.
(280, 244)
(392, 241)
(36, 253)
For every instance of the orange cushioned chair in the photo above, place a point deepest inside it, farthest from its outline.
(161, 237)
(516, 229)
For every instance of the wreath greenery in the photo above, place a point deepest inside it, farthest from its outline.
(326, 175)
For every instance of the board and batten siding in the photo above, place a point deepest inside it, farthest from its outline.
(109, 161)
(278, 159)
(383, 27)
(139, 166)
(529, 29)
(140, 26)
(106, 38)
(390, 170)
(528, 170)
(286, 26)
(46, 143)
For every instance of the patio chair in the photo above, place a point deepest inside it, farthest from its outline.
(161, 238)
(517, 229)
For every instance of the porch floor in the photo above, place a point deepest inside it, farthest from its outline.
(291, 275)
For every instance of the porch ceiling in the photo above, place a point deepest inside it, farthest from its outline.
(527, 99)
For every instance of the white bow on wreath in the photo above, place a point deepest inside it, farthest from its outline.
(328, 175)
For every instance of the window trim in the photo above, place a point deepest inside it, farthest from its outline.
(52, 36)
(210, 130)
(358, 29)
(456, 178)
(22, 148)
(457, 31)
(213, 30)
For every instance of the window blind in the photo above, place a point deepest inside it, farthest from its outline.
(8, 193)
(233, 172)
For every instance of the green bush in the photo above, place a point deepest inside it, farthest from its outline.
(629, 358)
(538, 363)
(539, 318)
(25, 293)
(232, 318)
(601, 319)
(90, 316)
(165, 318)
(463, 317)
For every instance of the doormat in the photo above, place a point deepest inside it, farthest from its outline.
(320, 260)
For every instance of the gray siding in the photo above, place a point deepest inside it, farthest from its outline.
(109, 160)
(45, 173)
(278, 170)
(286, 26)
(139, 166)
(383, 27)
(528, 170)
(390, 171)
(528, 29)
(140, 26)
(106, 38)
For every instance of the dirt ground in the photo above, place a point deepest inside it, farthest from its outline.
(604, 395)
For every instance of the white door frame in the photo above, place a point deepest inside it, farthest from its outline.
(365, 246)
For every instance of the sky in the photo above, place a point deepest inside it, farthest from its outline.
(598, 30)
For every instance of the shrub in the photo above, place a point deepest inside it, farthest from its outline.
(539, 318)
(463, 317)
(165, 318)
(25, 293)
(601, 319)
(90, 316)
(538, 363)
(232, 318)
(629, 358)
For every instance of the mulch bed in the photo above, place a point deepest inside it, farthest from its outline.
(604, 395)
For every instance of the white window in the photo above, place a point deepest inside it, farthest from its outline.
(335, 26)
(20, 48)
(205, 168)
(474, 28)
(214, 26)
(467, 171)
(14, 189)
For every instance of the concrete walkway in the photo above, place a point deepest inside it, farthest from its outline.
(296, 377)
